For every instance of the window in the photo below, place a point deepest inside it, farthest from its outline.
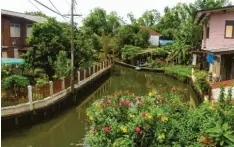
(207, 32)
(28, 29)
(15, 30)
(229, 29)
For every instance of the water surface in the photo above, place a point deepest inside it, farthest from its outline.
(68, 129)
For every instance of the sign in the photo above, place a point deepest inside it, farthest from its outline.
(210, 58)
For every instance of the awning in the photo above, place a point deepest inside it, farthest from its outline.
(12, 61)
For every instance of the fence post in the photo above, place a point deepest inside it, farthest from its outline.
(51, 88)
(94, 69)
(78, 77)
(84, 74)
(89, 71)
(103, 65)
(63, 83)
(30, 100)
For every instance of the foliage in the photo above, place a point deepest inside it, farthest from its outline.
(179, 71)
(14, 81)
(36, 13)
(149, 18)
(161, 52)
(6, 71)
(129, 52)
(124, 119)
(46, 40)
(201, 81)
(157, 63)
(62, 65)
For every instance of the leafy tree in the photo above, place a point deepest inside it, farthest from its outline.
(129, 52)
(149, 18)
(62, 65)
(46, 40)
(131, 17)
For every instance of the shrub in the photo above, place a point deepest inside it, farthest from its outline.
(124, 119)
(201, 80)
(129, 52)
(180, 72)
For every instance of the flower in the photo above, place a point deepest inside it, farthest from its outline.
(131, 115)
(143, 114)
(121, 103)
(127, 103)
(150, 94)
(174, 89)
(124, 129)
(149, 116)
(107, 129)
(137, 130)
(93, 130)
(164, 118)
(140, 103)
(90, 117)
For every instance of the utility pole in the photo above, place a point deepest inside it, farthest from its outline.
(72, 46)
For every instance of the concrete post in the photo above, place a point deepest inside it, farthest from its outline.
(100, 65)
(84, 74)
(78, 76)
(30, 100)
(89, 71)
(51, 88)
(103, 65)
(94, 69)
(63, 83)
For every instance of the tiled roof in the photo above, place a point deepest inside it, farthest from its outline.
(151, 32)
(23, 15)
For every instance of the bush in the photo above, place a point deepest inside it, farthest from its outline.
(14, 81)
(124, 119)
(161, 52)
(201, 81)
(129, 52)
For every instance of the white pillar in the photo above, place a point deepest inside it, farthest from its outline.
(30, 100)
(63, 83)
(94, 69)
(78, 77)
(103, 65)
(211, 67)
(89, 71)
(84, 74)
(51, 88)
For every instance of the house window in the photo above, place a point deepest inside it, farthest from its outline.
(15, 30)
(28, 29)
(229, 29)
(207, 32)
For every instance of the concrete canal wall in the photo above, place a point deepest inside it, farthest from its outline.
(35, 111)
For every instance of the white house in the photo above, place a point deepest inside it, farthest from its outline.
(154, 36)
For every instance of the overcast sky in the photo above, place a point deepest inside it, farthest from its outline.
(122, 7)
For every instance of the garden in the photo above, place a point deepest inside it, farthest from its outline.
(126, 120)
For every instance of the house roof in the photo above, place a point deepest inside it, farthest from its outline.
(23, 15)
(151, 32)
(201, 14)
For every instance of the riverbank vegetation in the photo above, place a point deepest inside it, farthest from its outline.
(124, 119)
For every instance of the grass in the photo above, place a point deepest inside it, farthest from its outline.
(179, 71)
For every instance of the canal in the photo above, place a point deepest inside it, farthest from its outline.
(68, 129)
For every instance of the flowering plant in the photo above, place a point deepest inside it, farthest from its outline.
(124, 119)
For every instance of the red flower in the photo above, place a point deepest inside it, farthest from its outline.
(140, 103)
(122, 103)
(143, 113)
(174, 89)
(93, 130)
(127, 103)
(225, 83)
(137, 130)
(107, 129)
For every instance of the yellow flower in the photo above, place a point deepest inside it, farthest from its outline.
(124, 129)
(91, 118)
(150, 94)
(149, 116)
(100, 110)
(131, 115)
(164, 118)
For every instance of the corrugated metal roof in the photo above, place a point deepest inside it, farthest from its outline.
(23, 15)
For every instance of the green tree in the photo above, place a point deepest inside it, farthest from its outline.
(149, 18)
(46, 40)
(62, 65)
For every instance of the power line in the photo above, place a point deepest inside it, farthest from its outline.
(54, 7)
(34, 5)
(49, 9)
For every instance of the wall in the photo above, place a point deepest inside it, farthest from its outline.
(216, 38)
(216, 89)
(154, 40)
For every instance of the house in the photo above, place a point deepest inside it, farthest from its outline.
(154, 36)
(15, 29)
(218, 45)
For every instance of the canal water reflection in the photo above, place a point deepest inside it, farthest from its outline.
(68, 129)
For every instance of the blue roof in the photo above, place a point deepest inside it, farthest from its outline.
(12, 61)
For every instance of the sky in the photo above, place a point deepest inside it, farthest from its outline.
(83, 7)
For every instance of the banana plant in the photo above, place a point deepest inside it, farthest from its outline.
(222, 134)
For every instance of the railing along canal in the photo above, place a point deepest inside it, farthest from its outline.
(37, 94)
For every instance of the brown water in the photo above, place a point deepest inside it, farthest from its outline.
(68, 129)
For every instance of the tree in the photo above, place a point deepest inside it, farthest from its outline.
(46, 40)
(149, 18)
(62, 65)
(131, 17)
